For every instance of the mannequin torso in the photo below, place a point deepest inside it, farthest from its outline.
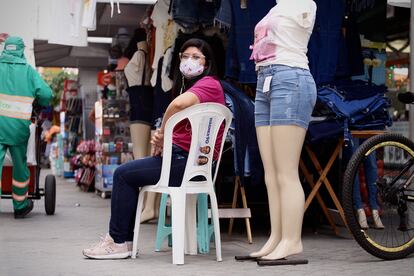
(282, 36)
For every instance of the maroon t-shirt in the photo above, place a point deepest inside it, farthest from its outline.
(208, 90)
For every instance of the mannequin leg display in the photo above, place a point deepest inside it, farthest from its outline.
(265, 141)
(287, 142)
(140, 136)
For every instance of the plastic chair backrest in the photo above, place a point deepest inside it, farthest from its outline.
(205, 120)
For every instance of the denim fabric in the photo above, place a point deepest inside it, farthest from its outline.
(289, 101)
(371, 174)
(343, 110)
(141, 100)
(241, 36)
(323, 45)
(357, 89)
(127, 179)
(161, 99)
(223, 16)
(192, 13)
(350, 60)
(245, 135)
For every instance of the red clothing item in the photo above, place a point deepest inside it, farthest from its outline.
(208, 90)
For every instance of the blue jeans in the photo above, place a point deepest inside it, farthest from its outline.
(371, 174)
(241, 36)
(323, 47)
(127, 179)
(189, 13)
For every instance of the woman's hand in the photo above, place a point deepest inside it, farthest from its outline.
(157, 142)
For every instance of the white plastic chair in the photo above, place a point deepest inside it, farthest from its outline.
(205, 120)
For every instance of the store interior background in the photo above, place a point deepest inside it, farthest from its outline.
(36, 20)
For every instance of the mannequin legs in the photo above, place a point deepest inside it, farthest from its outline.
(140, 136)
(282, 146)
(265, 143)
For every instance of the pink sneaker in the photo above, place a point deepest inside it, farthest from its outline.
(108, 249)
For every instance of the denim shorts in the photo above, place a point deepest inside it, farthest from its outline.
(290, 98)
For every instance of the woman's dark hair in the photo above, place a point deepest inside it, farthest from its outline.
(139, 35)
(211, 70)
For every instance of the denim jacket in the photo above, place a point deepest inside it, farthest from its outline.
(245, 135)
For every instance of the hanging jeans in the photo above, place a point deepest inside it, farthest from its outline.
(241, 36)
(189, 13)
(324, 45)
(128, 178)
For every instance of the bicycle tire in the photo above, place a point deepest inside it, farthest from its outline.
(360, 235)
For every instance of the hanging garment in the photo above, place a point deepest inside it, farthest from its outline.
(240, 37)
(245, 135)
(323, 45)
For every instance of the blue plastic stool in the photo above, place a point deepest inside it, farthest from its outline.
(204, 230)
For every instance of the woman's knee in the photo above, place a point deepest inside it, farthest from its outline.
(119, 174)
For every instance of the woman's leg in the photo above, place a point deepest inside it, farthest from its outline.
(127, 179)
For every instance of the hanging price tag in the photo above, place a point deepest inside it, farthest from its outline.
(266, 84)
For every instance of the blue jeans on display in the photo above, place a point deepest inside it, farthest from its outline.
(191, 13)
(127, 179)
(371, 174)
(324, 45)
(241, 36)
(244, 135)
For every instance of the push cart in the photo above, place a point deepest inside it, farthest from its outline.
(35, 191)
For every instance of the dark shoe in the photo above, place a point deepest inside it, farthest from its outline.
(19, 214)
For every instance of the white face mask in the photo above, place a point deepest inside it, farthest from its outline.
(191, 68)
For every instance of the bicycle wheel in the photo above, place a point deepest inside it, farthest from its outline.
(394, 158)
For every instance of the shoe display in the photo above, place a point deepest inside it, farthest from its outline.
(362, 219)
(377, 220)
(19, 214)
(108, 249)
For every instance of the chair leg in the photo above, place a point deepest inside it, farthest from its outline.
(203, 236)
(178, 199)
(215, 216)
(191, 225)
(140, 206)
(163, 231)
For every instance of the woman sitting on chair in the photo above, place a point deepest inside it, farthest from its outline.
(198, 80)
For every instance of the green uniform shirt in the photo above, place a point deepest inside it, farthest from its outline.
(20, 85)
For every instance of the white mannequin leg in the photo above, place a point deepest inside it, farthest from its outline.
(265, 143)
(140, 136)
(287, 144)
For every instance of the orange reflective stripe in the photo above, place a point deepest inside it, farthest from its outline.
(16, 115)
(13, 98)
(20, 184)
(18, 197)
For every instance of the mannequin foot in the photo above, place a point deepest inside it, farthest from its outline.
(284, 249)
(269, 246)
(148, 215)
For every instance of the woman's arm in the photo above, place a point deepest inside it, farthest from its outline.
(180, 103)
